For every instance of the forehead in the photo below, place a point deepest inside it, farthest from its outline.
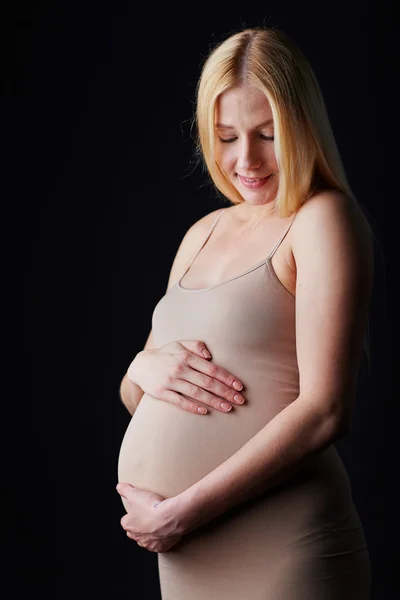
(242, 106)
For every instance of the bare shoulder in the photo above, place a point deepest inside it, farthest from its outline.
(196, 232)
(332, 205)
(331, 219)
(191, 242)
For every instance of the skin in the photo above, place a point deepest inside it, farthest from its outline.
(326, 261)
(246, 147)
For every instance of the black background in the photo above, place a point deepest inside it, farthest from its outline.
(97, 101)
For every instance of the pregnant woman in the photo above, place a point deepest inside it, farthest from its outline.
(228, 468)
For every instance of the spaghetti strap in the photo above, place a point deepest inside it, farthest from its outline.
(275, 248)
(206, 239)
(214, 223)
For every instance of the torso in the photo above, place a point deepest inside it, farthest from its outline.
(249, 325)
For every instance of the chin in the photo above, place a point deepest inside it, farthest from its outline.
(265, 195)
(255, 199)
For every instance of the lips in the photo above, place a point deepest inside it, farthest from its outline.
(253, 182)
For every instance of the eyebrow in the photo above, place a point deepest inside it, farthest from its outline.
(264, 124)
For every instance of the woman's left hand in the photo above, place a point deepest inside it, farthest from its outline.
(150, 519)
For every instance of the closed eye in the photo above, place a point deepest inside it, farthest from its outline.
(230, 140)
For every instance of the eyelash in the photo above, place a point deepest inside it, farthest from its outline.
(263, 137)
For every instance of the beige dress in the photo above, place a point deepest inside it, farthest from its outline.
(301, 541)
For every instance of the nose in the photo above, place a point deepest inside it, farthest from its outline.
(249, 157)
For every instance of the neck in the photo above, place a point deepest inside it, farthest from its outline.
(252, 215)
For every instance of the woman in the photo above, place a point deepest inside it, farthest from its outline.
(276, 287)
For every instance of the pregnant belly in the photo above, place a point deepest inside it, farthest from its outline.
(166, 449)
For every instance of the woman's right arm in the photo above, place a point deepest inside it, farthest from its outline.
(183, 374)
(130, 392)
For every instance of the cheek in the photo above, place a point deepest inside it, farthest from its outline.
(225, 158)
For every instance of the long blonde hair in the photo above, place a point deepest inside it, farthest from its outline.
(305, 147)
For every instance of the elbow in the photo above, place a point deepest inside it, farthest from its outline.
(338, 425)
(333, 424)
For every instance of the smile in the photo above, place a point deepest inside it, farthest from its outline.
(253, 183)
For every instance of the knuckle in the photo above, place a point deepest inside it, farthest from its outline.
(212, 369)
(171, 375)
(210, 401)
(215, 402)
(175, 371)
(171, 398)
(186, 355)
(159, 391)
(207, 382)
(229, 380)
(186, 405)
(227, 393)
(194, 391)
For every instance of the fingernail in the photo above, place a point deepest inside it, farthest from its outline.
(226, 406)
(238, 386)
(238, 398)
(206, 353)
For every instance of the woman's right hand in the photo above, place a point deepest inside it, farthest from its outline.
(181, 372)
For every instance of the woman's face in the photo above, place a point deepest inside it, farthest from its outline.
(244, 146)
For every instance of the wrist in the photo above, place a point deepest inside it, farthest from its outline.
(133, 370)
(182, 509)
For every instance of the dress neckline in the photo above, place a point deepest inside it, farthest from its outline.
(204, 289)
(266, 261)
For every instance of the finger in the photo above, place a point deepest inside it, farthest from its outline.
(197, 347)
(124, 521)
(211, 388)
(193, 392)
(214, 371)
(183, 403)
(124, 489)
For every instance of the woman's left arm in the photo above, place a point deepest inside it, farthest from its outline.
(333, 251)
